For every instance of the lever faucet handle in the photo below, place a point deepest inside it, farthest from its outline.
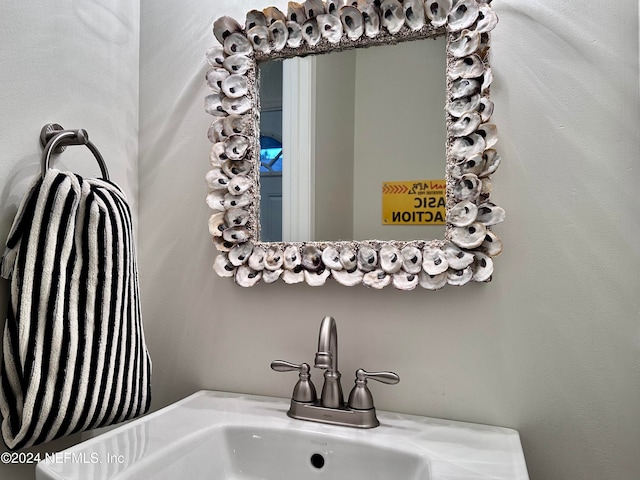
(304, 391)
(360, 397)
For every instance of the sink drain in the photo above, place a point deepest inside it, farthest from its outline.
(317, 460)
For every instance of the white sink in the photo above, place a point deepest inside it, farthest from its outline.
(225, 436)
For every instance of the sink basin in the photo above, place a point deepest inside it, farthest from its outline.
(225, 436)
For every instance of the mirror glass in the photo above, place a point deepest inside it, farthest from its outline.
(377, 116)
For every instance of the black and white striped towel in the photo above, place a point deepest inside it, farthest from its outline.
(74, 356)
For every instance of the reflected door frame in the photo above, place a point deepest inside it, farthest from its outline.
(298, 146)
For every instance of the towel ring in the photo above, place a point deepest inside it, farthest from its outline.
(55, 139)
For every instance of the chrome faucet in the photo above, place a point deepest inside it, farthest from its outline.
(359, 411)
(327, 359)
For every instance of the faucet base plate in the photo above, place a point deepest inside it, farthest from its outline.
(334, 416)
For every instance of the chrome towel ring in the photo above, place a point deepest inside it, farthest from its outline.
(55, 139)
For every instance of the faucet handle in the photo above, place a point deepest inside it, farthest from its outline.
(304, 391)
(360, 397)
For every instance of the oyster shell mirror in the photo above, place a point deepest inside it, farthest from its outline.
(468, 244)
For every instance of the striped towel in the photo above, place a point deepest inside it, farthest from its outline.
(74, 356)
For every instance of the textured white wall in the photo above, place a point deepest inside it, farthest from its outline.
(551, 347)
(74, 63)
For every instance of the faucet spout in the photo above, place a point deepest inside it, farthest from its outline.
(327, 359)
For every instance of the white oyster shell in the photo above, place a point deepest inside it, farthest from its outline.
(222, 245)
(236, 217)
(291, 277)
(462, 214)
(434, 261)
(311, 32)
(330, 27)
(458, 106)
(213, 105)
(390, 259)
(215, 56)
(334, 6)
(311, 258)
(459, 277)
(296, 12)
(348, 278)
(236, 106)
(292, 258)
(236, 124)
(214, 78)
(470, 236)
(216, 180)
(464, 44)
(367, 259)
(432, 282)
(485, 108)
(487, 19)
(405, 281)
(466, 124)
(464, 87)
(223, 27)
(482, 267)
(279, 34)
(377, 279)
(237, 43)
(274, 258)
(438, 11)
(313, 8)
(236, 146)
(239, 185)
(352, 22)
(348, 258)
(391, 15)
(231, 200)
(467, 67)
(246, 277)
(467, 187)
(411, 259)
(475, 164)
(236, 234)
(216, 224)
(254, 18)
(215, 133)
(256, 259)
(270, 276)
(239, 254)
(259, 38)
(237, 63)
(463, 15)
(489, 132)
(273, 14)
(231, 168)
(316, 278)
(490, 214)
(294, 38)
(223, 267)
(371, 19)
(331, 258)
(491, 245)
(467, 147)
(235, 86)
(458, 259)
(215, 200)
(491, 162)
(414, 14)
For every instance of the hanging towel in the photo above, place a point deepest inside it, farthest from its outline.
(74, 355)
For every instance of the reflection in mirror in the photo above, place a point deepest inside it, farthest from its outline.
(378, 117)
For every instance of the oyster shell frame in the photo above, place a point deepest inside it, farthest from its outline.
(346, 274)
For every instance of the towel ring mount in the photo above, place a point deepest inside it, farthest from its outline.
(54, 139)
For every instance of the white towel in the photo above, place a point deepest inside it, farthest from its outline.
(74, 355)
